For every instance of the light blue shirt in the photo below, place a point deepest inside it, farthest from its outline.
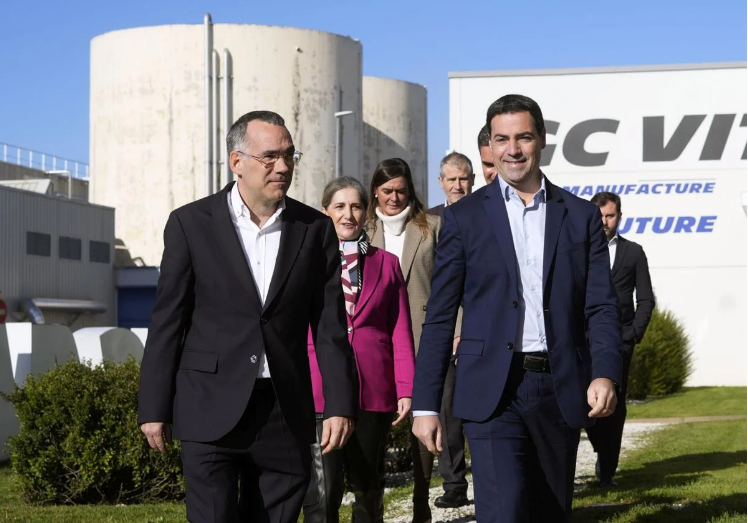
(527, 223)
(528, 233)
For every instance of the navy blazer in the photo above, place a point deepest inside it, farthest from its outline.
(476, 266)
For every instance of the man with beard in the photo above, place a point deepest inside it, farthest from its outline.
(630, 272)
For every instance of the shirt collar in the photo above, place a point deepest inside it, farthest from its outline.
(240, 209)
(508, 191)
(613, 240)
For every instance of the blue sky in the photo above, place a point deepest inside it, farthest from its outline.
(45, 47)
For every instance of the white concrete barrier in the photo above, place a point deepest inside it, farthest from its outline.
(34, 349)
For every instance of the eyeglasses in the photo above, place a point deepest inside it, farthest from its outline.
(268, 161)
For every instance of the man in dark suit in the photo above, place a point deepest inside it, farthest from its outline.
(244, 274)
(630, 272)
(529, 263)
(456, 179)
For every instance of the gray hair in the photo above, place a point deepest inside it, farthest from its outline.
(344, 182)
(236, 137)
(458, 160)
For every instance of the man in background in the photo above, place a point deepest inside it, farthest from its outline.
(630, 271)
(456, 178)
(486, 159)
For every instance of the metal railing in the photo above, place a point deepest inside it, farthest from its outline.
(43, 161)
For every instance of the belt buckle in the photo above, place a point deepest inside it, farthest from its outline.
(536, 363)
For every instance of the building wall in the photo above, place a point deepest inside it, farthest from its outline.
(671, 141)
(395, 127)
(147, 112)
(24, 276)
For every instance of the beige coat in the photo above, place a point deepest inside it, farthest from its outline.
(416, 262)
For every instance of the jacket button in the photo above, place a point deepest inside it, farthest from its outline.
(350, 329)
(510, 346)
(515, 304)
(253, 358)
(424, 308)
(263, 320)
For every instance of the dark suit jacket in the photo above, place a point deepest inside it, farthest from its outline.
(437, 211)
(208, 328)
(476, 265)
(631, 271)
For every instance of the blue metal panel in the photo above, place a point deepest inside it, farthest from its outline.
(134, 306)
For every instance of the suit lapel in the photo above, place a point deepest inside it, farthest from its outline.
(372, 273)
(495, 207)
(229, 245)
(292, 236)
(620, 253)
(413, 238)
(555, 210)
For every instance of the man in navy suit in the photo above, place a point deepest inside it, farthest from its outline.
(539, 356)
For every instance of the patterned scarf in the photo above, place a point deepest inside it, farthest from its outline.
(351, 272)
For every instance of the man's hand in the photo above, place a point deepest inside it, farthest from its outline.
(429, 431)
(601, 396)
(403, 408)
(335, 432)
(158, 435)
(455, 344)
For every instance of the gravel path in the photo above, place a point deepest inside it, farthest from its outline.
(632, 438)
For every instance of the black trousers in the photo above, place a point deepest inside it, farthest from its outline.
(257, 473)
(362, 461)
(452, 465)
(524, 455)
(606, 434)
(423, 467)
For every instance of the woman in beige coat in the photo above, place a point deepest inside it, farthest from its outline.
(398, 223)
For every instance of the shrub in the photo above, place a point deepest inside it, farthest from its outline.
(80, 441)
(662, 362)
(398, 457)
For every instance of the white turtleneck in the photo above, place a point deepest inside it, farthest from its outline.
(394, 231)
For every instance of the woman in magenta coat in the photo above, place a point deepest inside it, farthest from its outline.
(380, 333)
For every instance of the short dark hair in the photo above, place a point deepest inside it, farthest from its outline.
(484, 137)
(458, 160)
(601, 199)
(516, 103)
(236, 136)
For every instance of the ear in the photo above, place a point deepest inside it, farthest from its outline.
(324, 211)
(542, 139)
(235, 163)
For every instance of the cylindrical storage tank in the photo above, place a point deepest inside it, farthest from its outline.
(147, 114)
(395, 127)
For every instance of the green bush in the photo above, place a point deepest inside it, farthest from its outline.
(662, 362)
(80, 441)
(398, 457)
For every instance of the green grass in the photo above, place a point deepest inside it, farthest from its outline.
(13, 508)
(694, 472)
(697, 401)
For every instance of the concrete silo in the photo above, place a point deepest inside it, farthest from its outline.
(148, 114)
(395, 126)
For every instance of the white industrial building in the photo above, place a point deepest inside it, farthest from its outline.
(57, 262)
(671, 141)
(162, 99)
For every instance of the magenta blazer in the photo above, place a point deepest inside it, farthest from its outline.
(381, 336)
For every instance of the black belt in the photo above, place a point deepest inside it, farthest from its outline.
(534, 361)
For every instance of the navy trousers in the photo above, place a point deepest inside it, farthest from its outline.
(524, 455)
